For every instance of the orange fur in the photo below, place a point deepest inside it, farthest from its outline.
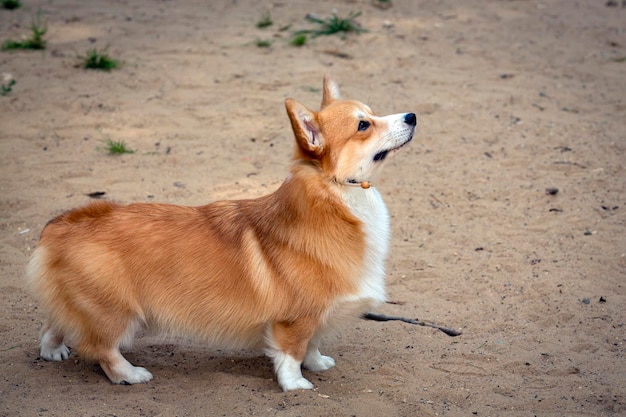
(223, 272)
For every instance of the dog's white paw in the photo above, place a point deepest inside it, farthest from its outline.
(316, 362)
(136, 375)
(55, 353)
(289, 372)
(295, 384)
(120, 371)
(52, 347)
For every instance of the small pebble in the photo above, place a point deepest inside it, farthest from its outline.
(586, 301)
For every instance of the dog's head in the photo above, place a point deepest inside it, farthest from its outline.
(347, 140)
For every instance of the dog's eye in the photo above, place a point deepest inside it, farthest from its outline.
(363, 125)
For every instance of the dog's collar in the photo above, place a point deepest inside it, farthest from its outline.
(353, 183)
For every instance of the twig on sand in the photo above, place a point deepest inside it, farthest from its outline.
(382, 317)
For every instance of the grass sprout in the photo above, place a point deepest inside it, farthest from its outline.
(99, 60)
(116, 147)
(263, 43)
(298, 39)
(332, 25)
(265, 21)
(5, 89)
(36, 41)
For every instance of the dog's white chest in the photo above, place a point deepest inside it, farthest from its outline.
(370, 208)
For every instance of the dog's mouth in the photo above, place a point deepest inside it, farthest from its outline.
(380, 156)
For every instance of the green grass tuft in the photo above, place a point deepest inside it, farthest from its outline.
(333, 25)
(266, 21)
(99, 60)
(298, 39)
(116, 147)
(5, 89)
(263, 43)
(36, 41)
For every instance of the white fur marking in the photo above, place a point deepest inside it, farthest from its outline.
(315, 361)
(288, 373)
(126, 373)
(370, 208)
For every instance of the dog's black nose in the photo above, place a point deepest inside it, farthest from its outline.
(410, 119)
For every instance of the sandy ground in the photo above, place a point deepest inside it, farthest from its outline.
(512, 97)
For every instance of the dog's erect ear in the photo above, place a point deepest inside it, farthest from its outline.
(305, 127)
(331, 91)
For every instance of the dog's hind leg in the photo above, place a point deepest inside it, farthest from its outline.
(52, 347)
(103, 346)
(120, 371)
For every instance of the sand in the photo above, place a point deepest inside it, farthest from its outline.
(513, 98)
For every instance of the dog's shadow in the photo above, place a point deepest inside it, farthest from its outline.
(198, 362)
(205, 360)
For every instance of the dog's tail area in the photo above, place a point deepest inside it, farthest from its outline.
(36, 271)
(44, 287)
(82, 306)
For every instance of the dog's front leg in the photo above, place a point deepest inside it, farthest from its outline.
(287, 346)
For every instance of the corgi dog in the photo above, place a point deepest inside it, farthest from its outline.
(276, 272)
